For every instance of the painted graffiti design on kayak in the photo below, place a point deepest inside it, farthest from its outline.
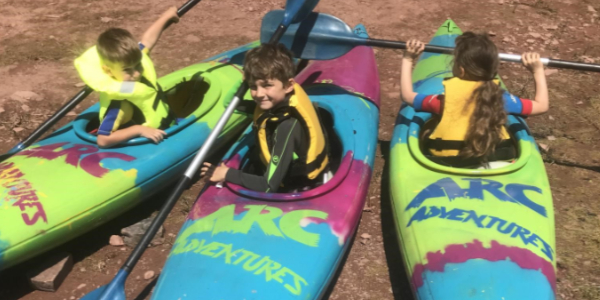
(290, 223)
(446, 187)
(252, 262)
(73, 156)
(21, 191)
(483, 221)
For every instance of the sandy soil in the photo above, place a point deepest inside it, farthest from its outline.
(40, 39)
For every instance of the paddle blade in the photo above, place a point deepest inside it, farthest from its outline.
(319, 36)
(115, 290)
(297, 10)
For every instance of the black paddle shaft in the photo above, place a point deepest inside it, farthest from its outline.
(550, 62)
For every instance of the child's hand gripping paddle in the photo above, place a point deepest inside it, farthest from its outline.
(323, 37)
(296, 11)
(59, 114)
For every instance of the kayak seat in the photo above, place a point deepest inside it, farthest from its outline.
(505, 152)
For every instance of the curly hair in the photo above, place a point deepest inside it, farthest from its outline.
(476, 59)
(269, 61)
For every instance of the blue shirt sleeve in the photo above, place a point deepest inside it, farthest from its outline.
(418, 102)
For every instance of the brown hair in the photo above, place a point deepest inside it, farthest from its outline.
(118, 46)
(477, 55)
(269, 61)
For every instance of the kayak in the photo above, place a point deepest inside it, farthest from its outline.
(64, 185)
(242, 244)
(470, 233)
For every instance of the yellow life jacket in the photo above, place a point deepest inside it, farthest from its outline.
(456, 115)
(145, 95)
(301, 108)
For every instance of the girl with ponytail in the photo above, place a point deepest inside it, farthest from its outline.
(473, 108)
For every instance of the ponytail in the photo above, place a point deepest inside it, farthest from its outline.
(485, 127)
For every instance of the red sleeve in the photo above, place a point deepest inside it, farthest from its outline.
(432, 104)
(527, 107)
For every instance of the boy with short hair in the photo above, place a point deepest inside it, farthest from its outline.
(131, 101)
(289, 139)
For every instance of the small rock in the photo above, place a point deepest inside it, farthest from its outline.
(23, 96)
(1, 109)
(551, 138)
(555, 42)
(531, 41)
(587, 59)
(133, 234)
(549, 72)
(551, 118)
(149, 275)
(71, 113)
(81, 286)
(500, 2)
(491, 33)
(80, 84)
(25, 108)
(394, 95)
(123, 249)
(535, 35)
(591, 8)
(365, 236)
(579, 102)
(116, 240)
(82, 270)
(72, 298)
(587, 263)
(544, 147)
(50, 275)
(18, 129)
(550, 27)
(105, 19)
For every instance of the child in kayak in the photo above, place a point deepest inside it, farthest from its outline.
(290, 143)
(131, 101)
(474, 107)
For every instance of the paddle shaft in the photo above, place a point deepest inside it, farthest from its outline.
(550, 62)
(38, 132)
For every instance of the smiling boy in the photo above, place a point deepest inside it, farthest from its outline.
(290, 143)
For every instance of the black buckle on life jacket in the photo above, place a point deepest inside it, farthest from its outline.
(438, 144)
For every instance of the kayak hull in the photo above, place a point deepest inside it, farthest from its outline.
(470, 233)
(241, 244)
(64, 185)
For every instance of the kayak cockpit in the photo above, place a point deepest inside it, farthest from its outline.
(189, 98)
(341, 148)
(422, 124)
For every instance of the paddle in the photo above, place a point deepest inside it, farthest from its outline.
(115, 290)
(322, 37)
(38, 132)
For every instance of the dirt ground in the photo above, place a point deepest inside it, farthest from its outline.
(40, 39)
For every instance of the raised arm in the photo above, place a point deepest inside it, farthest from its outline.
(413, 49)
(534, 65)
(153, 32)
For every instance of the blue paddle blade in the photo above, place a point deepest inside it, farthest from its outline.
(297, 10)
(115, 290)
(319, 36)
